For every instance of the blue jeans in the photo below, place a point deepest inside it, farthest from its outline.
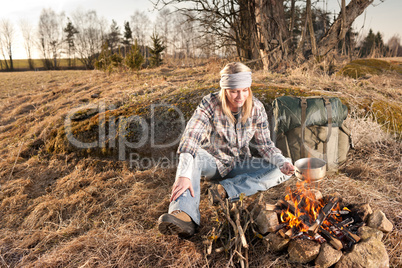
(249, 177)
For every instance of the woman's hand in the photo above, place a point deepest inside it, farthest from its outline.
(180, 186)
(287, 168)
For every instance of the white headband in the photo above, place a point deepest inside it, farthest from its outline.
(237, 80)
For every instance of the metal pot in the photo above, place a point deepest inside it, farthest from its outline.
(312, 169)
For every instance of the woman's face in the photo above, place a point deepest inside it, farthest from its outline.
(237, 97)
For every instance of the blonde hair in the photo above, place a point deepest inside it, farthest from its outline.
(232, 68)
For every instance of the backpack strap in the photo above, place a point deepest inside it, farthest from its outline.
(303, 104)
(329, 116)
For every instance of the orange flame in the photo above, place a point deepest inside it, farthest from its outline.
(306, 207)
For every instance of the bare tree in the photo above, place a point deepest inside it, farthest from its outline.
(7, 33)
(50, 31)
(394, 45)
(184, 36)
(163, 26)
(3, 53)
(141, 29)
(28, 35)
(259, 29)
(90, 37)
(341, 25)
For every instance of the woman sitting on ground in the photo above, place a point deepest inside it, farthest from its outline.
(216, 145)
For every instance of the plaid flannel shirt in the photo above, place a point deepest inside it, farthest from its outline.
(210, 129)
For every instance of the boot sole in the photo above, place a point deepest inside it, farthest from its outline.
(170, 225)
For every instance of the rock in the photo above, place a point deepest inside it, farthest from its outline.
(95, 95)
(303, 251)
(267, 221)
(275, 242)
(370, 253)
(328, 256)
(362, 211)
(379, 220)
(366, 232)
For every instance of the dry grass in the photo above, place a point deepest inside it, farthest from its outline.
(66, 210)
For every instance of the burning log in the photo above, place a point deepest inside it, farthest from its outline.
(340, 212)
(336, 243)
(347, 221)
(280, 226)
(345, 231)
(323, 215)
(282, 203)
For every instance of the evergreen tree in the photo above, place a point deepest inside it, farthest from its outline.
(104, 60)
(379, 44)
(128, 34)
(134, 58)
(156, 50)
(114, 35)
(70, 30)
(368, 44)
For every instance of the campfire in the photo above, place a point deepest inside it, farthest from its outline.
(310, 226)
(304, 213)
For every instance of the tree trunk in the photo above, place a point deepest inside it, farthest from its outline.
(311, 28)
(246, 32)
(337, 31)
(292, 16)
(272, 31)
(11, 63)
(343, 29)
(299, 50)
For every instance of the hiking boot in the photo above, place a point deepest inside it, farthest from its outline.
(216, 194)
(177, 223)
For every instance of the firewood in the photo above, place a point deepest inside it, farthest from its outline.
(282, 203)
(347, 221)
(324, 212)
(336, 243)
(289, 233)
(355, 238)
(340, 212)
(240, 229)
(271, 207)
(281, 232)
(280, 226)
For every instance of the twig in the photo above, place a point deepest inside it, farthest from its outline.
(3, 260)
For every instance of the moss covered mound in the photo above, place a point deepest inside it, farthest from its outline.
(362, 67)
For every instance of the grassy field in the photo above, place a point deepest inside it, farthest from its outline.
(22, 64)
(61, 206)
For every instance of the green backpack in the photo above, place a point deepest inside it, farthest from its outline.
(312, 127)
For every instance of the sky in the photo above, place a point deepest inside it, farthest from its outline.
(385, 17)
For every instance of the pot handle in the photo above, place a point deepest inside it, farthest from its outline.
(298, 171)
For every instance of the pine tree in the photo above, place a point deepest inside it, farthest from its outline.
(128, 34)
(156, 50)
(368, 44)
(70, 30)
(114, 35)
(104, 60)
(134, 58)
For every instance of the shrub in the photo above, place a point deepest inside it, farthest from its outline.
(134, 58)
